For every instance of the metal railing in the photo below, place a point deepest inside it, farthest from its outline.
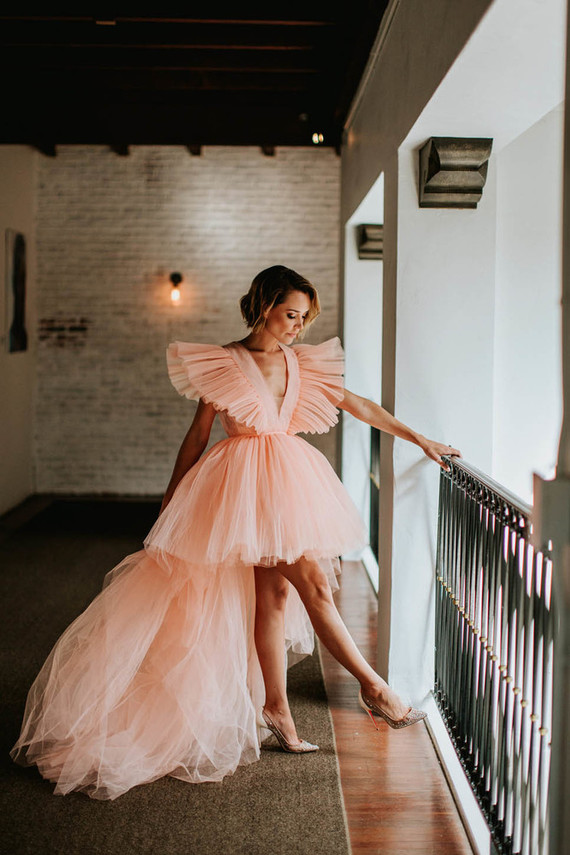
(494, 653)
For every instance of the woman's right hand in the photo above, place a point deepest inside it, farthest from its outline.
(436, 450)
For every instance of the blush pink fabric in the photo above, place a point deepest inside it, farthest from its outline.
(159, 675)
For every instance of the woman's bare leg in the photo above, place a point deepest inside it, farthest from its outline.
(315, 592)
(271, 589)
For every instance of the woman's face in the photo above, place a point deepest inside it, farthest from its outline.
(286, 320)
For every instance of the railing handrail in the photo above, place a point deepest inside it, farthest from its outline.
(500, 490)
(495, 639)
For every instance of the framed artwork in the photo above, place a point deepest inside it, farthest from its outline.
(15, 291)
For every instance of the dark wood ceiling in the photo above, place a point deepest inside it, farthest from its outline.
(248, 74)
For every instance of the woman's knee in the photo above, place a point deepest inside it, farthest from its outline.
(312, 582)
(272, 589)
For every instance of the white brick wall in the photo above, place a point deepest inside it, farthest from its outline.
(110, 231)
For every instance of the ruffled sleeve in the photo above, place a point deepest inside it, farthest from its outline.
(321, 370)
(208, 371)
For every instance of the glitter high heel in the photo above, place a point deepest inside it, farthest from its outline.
(411, 717)
(303, 748)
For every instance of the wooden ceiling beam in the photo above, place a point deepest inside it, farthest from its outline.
(50, 101)
(153, 36)
(106, 83)
(245, 78)
(110, 59)
(288, 14)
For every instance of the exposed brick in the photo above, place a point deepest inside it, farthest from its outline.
(110, 231)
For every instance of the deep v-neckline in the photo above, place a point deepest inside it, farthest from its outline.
(262, 378)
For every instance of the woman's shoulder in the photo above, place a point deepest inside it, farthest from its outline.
(196, 345)
(202, 346)
(189, 362)
(321, 370)
(330, 349)
(199, 351)
(210, 372)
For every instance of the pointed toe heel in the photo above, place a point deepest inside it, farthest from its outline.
(412, 716)
(303, 747)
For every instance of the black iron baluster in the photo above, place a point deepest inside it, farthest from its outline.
(494, 649)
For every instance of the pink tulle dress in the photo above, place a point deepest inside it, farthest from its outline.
(159, 675)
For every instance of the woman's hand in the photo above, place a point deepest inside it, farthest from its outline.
(435, 450)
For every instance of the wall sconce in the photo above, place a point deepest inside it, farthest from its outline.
(176, 279)
(370, 241)
(453, 171)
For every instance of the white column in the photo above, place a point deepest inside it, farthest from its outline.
(443, 387)
(552, 522)
(362, 339)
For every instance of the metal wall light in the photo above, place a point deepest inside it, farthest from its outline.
(453, 171)
(370, 241)
(176, 279)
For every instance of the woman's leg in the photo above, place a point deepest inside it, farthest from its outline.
(271, 589)
(315, 592)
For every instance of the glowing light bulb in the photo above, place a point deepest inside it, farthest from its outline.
(176, 279)
(318, 138)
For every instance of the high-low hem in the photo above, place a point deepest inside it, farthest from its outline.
(131, 690)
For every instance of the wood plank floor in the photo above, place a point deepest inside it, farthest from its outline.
(396, 796)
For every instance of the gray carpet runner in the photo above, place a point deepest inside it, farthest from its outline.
(51, 567)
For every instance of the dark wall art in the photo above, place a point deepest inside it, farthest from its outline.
(17, 338)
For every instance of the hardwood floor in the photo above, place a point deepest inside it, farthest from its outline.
(396, 796)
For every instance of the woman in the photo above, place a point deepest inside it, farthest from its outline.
(178, 664)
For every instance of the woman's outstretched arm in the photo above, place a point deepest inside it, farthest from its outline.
(375, 415)
(192, 447)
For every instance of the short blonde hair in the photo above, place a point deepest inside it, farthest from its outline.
(270, 288)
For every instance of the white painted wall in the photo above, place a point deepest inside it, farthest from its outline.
(17, 370)
(447, 274)
(439, 268)
(527, 367)
(423, 41)
(444, 389)
(410, 58)
(509, 75)
(362, 339)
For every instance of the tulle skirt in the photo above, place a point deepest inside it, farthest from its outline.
(159, 675)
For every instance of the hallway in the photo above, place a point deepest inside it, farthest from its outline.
(396, 797)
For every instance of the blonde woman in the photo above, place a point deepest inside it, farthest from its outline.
(177, 667)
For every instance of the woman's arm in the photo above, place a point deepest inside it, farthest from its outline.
(375, 415)
(192, 447)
